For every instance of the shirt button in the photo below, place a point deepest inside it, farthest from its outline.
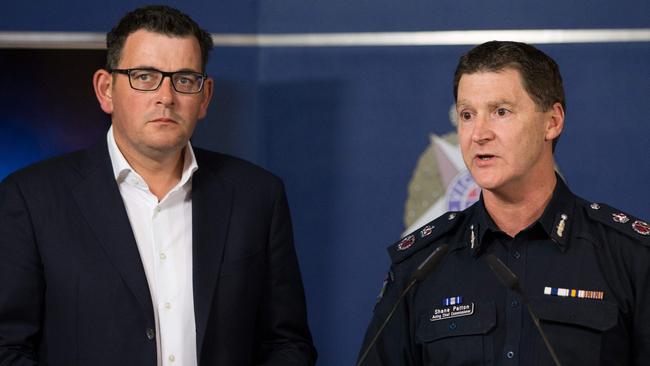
(168, 305)
(510, 354)
(452, 326)
(163, 256)
(517, 255)
(514, 303)
(171, 358)
(151, 334)
(157, 209)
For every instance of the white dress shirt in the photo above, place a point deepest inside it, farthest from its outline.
(163, 232)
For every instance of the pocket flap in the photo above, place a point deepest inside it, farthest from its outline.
(598, 315)
(436, 324)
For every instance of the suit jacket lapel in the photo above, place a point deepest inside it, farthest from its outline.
(211, 206)
(100, 202)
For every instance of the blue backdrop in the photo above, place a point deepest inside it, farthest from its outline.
(345, 126)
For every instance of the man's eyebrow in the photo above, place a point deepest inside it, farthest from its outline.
(465, 103)
(188, 70)
(499, 102)
(149, 67)
(144, 67)
(461, 103)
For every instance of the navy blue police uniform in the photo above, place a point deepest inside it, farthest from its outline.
(584, 266)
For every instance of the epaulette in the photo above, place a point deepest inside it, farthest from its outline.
(422, 237)
(619, 221)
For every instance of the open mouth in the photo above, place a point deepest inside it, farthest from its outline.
(484, 157)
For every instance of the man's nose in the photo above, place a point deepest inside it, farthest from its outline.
(482, 131)
(166, 92)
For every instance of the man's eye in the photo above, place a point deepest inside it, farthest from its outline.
(464, 115)
(502, 112)
(185, 79)
(142, 76)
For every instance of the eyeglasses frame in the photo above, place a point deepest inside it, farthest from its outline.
(164, 74)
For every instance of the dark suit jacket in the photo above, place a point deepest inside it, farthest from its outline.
(73, 289)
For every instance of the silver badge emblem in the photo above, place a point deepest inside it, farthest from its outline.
(472, 239)
(426, 231)
(620, 217)
(561, 225)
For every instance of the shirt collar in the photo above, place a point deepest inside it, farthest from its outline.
(481, 224)
(556, 219)
(122, 169)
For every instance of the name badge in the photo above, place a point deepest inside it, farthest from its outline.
(453, 311)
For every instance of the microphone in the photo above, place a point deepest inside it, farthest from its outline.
(422, 271)
(510, 280)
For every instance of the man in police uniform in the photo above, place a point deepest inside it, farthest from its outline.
(585, 267)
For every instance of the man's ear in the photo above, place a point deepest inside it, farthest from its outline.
(208, 89)
(555, 122)
(103, 84)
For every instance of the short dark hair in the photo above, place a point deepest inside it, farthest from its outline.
(159, 19)
(540, 74)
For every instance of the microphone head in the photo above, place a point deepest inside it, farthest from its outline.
(430, 263)
(503, 273)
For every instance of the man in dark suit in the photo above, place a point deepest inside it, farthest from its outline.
(143, 250)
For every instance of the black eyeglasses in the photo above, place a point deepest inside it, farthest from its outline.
(186, 82)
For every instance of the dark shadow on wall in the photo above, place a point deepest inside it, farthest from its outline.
(301, 122)
(231, 125)
(48, 104)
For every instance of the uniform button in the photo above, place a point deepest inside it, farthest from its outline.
(514, 303)
(157, 209)
(517, 255)
(163, 256)
(171, 358)
(151, 334)
(168, 305)
(510, 354)
(452, 326)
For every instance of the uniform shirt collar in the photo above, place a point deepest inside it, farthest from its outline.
(481, 225)
(558, 216)
(555, 220)
(122, 169)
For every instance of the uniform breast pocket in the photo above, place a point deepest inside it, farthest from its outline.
(576, 328)
(457, 335)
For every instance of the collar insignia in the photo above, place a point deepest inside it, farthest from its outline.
(561, 225)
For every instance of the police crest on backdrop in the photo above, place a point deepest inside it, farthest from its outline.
(440, 182)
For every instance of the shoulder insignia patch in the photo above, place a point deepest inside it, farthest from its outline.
(619, 221)
(423, 236)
